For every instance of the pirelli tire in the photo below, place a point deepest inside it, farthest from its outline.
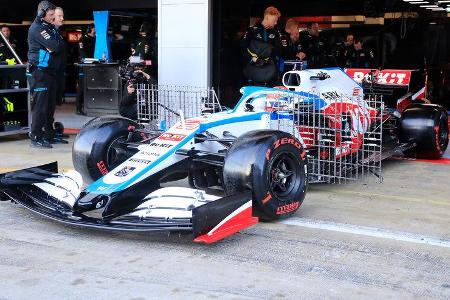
(427, 126)
(98, 147)
(273, 165)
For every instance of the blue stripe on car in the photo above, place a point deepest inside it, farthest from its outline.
(248, 90)
(100, 187)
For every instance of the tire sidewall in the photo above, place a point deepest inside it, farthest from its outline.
(421, 124)
(248, 166)
(89, 153)
(271, 205)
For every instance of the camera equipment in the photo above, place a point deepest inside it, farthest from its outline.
(130, 72)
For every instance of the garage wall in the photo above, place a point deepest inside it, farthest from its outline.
(184, 42)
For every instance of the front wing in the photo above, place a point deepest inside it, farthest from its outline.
(209, 218)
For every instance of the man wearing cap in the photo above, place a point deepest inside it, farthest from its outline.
(43, 45)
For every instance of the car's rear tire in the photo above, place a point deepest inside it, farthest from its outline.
(427, 126)
(98, 147)
(273, 165)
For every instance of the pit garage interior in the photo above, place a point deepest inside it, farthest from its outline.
(385, 235)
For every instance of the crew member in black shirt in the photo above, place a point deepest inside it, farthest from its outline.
(360, 57)
(86, 44)
(261, 45)
(5, 53)
(294, 47)
(128, 104)
(343, 49)
(143, 47)
(312, 47)
(43, 45)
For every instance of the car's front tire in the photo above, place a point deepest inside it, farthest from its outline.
(98, 147)
(273, 165)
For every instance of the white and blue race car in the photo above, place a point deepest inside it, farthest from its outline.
(263, 153)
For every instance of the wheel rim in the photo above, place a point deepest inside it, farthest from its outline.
(443, 135)
(283, 176)
(115, 152)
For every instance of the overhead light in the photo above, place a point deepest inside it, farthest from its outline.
(414, 0)
(446, 1)
(436, 8)
(429, 6)
(421, 2)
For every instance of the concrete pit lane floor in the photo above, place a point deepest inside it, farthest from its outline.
(360, 240)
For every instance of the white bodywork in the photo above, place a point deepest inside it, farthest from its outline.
(161, 152)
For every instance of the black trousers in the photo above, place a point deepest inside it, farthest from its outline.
(60, 88)
(43, 91)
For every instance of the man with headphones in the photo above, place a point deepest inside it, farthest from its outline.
(86, 44)
(43, 45)
(86, 47)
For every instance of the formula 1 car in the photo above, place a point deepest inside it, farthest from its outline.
(320, 126)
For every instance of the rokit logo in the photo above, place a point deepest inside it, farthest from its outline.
(175, 137)
(124, 171)
(393, 77)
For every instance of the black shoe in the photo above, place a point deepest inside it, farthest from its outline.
(40, 143)
(57, 140)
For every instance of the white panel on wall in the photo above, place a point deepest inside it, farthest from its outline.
(183, 69)
(184, 42)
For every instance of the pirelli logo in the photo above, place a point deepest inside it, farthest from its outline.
(45, 34)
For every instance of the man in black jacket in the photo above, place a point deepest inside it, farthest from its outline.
(261, 45)
(60, 59)
(5, 53)
(86, 44)
(128, 104)
(312, 46)
(360, 57)
(293, 48)
(43, 45)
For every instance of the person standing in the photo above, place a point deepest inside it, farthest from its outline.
(144, 48)
(312, 47)
(5, 53)
(60, 63)
(61, 57)
(294, 46)
(43, 46)
(360, 57)
(86, 48)
(343, 49)
(261, 45)
(86, 44)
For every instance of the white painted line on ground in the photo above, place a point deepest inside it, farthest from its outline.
(367, 231)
